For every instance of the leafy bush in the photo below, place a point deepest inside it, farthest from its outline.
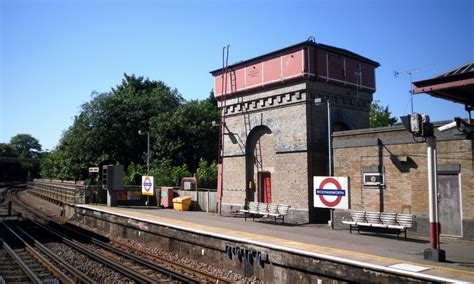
(134, 174)
(206, 174)
(167, 175)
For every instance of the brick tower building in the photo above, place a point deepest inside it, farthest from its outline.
(274, 136)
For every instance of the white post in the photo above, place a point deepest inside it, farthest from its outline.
(434, 252)
(329, 138)
(330, 155)
(432, 191)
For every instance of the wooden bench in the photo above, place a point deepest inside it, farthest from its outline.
(392, 221)
(277, 211)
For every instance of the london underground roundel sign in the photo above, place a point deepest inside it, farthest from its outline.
(147, 185)
(331, 192)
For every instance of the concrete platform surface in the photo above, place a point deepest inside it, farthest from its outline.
(366, 247)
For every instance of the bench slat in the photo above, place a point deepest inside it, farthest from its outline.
(273, 209)
(372, 217)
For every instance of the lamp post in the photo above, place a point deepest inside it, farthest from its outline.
(147, 149)
(420, 126)
(147, 158)
(319, 101)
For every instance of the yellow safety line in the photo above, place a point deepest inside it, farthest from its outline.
(288, 243)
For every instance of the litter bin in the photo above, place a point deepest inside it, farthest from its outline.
(182, 203)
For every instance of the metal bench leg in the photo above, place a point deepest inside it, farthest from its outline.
(350, 228)
(245, 216)
(405, 234)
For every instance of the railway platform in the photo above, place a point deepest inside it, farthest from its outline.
(370, 251)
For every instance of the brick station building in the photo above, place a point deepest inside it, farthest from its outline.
(275, 136)
(401, 160)
(275, 139)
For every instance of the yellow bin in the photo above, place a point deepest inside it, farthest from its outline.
(182, 203)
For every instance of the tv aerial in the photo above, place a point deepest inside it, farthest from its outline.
(410, 73)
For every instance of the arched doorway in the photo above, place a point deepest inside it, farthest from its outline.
(260, 163)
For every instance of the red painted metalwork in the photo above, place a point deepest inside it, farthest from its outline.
(456, 85)
(434, 235)
(307, 60)
(259, 74)
(458, 91)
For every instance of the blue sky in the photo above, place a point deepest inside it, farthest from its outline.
(53, 54)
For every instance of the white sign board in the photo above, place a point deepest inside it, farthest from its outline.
(147, 185)
(331, 192)
(93, 169)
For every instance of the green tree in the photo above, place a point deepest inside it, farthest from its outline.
(186, 135)
(106, 129)
(380, 116)
(167, 175)
(6, 150)
(106, 132)
(19, 159)
(26, 146)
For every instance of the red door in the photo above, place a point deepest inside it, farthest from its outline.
(265, 187)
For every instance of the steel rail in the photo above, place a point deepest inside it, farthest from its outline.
(33, 277)
(79, 275)
(171, 272)
(132, 274)
(39, 258)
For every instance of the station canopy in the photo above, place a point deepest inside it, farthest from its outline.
(456, 85)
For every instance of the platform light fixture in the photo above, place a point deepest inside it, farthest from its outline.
(140, 132)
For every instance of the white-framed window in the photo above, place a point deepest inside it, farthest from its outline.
(373, 179)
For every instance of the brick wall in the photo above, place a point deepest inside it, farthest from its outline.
(292, 134)
(405, 170)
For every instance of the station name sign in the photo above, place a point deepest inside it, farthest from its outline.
(331, 192)
(93, 169)
(148, 185)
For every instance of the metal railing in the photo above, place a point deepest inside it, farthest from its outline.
(61, 191)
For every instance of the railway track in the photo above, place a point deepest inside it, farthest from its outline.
(23, 263)
(13, 268)
(147, 259)
(135, 266)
